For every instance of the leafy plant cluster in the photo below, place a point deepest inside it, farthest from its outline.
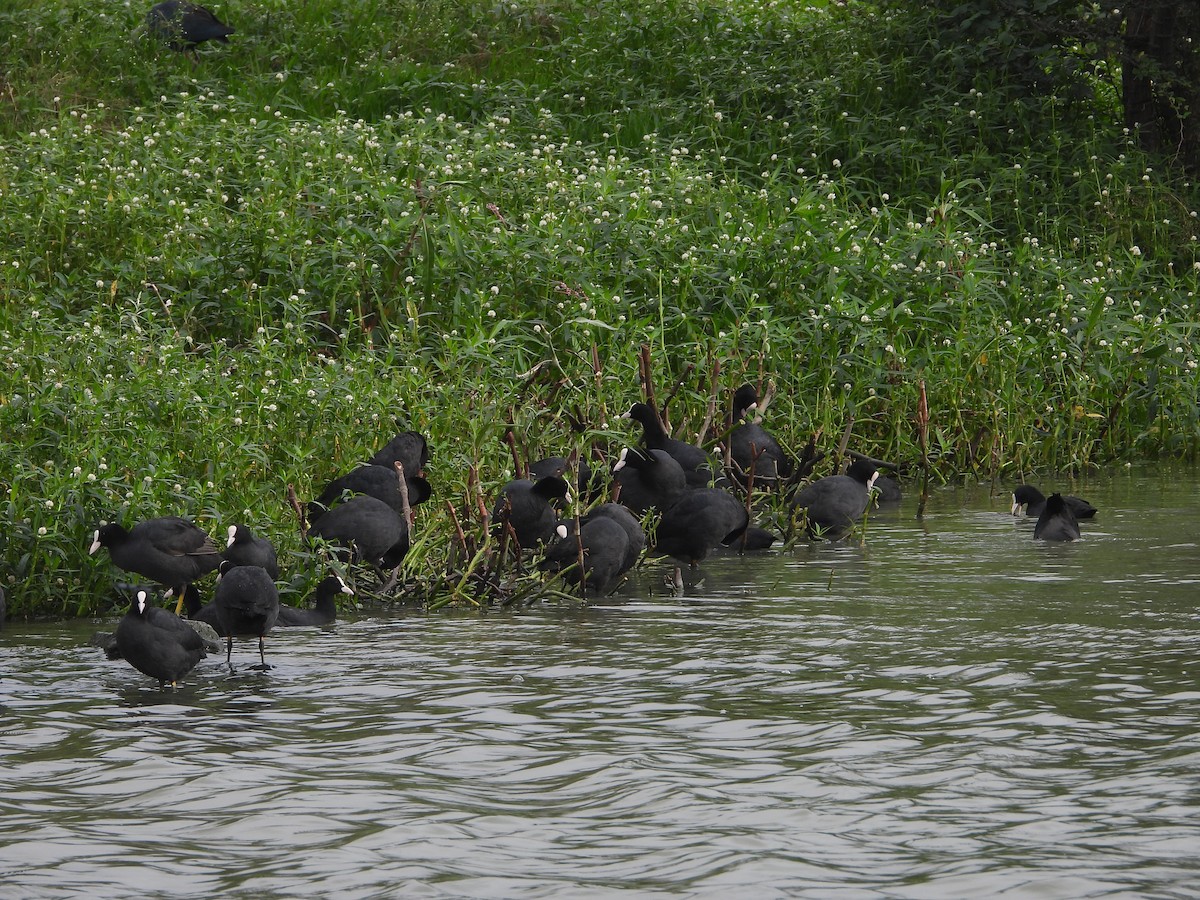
(220, 280)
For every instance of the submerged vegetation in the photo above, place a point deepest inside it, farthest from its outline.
(222, 278)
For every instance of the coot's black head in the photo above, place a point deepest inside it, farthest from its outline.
(863, 471)
(745, 398)
(553, 488)
(1026, 495)
(107, 535)
(643, 414)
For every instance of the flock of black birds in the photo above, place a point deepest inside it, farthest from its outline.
(366, 513)
(692, 501)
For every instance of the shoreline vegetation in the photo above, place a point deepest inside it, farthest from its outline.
(222, 278)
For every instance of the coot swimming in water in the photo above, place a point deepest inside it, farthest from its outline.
(835, 503)
(1057, 522)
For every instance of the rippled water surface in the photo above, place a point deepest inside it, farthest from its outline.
(951, 710)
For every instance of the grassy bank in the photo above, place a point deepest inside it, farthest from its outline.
(218, 280)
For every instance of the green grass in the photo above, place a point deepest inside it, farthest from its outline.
(218, 280)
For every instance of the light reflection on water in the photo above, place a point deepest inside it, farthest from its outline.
(952, 709)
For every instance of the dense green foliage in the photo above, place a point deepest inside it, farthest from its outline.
(220, 279)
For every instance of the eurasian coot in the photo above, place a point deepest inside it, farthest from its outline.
(169, 550)
(244, 548)
(1033, 501)
(699, 521)
(696, 464)
(835, 503)
(529, 507)
(1057, 522)
(247, 605)
(184, 25)
(649, 479)
(324, 605)
(368, 529)
(751, 444)
(157, 642)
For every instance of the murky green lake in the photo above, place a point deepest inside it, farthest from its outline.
(951, 710)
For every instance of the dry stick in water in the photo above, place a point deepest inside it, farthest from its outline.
(645, 373)
(845, 441)
(675, 390)
(755, 453)
(298, 510)
(923, 443)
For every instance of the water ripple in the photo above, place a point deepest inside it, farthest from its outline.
(951, 709)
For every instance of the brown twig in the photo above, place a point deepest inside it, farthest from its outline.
(923, 443)
(646, 374)
(845, 441)
(294, 501)
(518, 463)
(405, 508)
(662, 414)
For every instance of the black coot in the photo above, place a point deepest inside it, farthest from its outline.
(1034, 501)
(409, 448)
(169, 550)
(1057, 522)
(605, 546)
(529, 507)
(702, 519)
(369, 529)
(607, 555)
(588, 484)
(183, 25)
(632, 527)
(198, 611)
(697, 466)
(157, 642)
(750, 443)
(649, 479)
(324, 605)
(247, 605)
(887, 490)
(244, 548)
(380, 482)
(835, 503)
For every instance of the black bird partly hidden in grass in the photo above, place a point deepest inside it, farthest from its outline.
(752, 445)
(697, 466)
(380, 482)
(368, 529)
(835, 503)
(1033, 501)
(649, 479)
(170, 550)
(608, 544)
(529, 507)
(1057, 522)
(245, 548)
(183, 25)
(157, 642)
(247, 605)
